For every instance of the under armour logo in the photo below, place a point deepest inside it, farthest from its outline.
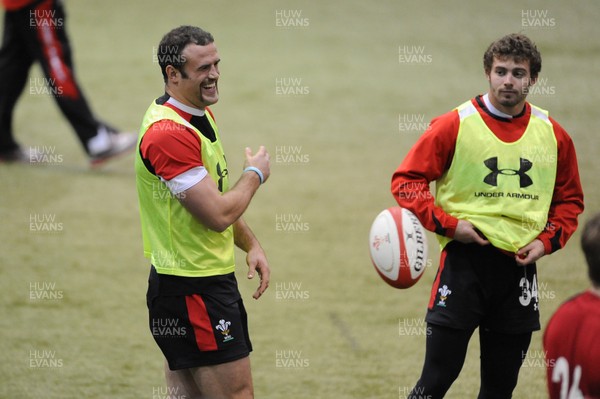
(221, 173)
(492, 178)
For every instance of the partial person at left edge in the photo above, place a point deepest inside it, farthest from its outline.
(35, 31)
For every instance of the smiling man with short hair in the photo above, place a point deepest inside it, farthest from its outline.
(191, 221)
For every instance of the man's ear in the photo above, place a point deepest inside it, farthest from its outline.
(173, 75)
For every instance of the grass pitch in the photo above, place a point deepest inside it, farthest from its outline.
(338, 91)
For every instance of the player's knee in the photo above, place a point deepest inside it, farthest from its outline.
(243, 392)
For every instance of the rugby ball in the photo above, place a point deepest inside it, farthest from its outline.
(398, 247)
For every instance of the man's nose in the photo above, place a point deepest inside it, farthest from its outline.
(214, 72)
(509, 80)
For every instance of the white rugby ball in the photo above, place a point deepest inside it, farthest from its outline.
(398, 246)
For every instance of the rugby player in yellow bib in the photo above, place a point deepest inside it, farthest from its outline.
(507, 192)
(191, 219)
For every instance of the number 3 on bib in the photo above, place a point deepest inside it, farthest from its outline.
(528, 292)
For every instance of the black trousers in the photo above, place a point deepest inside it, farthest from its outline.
(37, 33)
(446, 348)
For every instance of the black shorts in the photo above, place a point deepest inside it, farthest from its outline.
(481, 286)
(197, 321)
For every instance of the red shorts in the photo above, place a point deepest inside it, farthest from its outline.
(197, 321)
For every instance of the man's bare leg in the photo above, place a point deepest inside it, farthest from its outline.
(181, 384)
(232, 380)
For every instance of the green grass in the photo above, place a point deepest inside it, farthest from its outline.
(345, 329)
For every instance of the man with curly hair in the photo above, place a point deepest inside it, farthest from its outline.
(507, 192)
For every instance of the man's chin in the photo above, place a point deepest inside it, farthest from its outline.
(510, 101)
(207, 101)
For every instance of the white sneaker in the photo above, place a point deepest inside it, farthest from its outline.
(108, 145)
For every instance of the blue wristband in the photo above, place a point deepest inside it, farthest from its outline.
(257, 171)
